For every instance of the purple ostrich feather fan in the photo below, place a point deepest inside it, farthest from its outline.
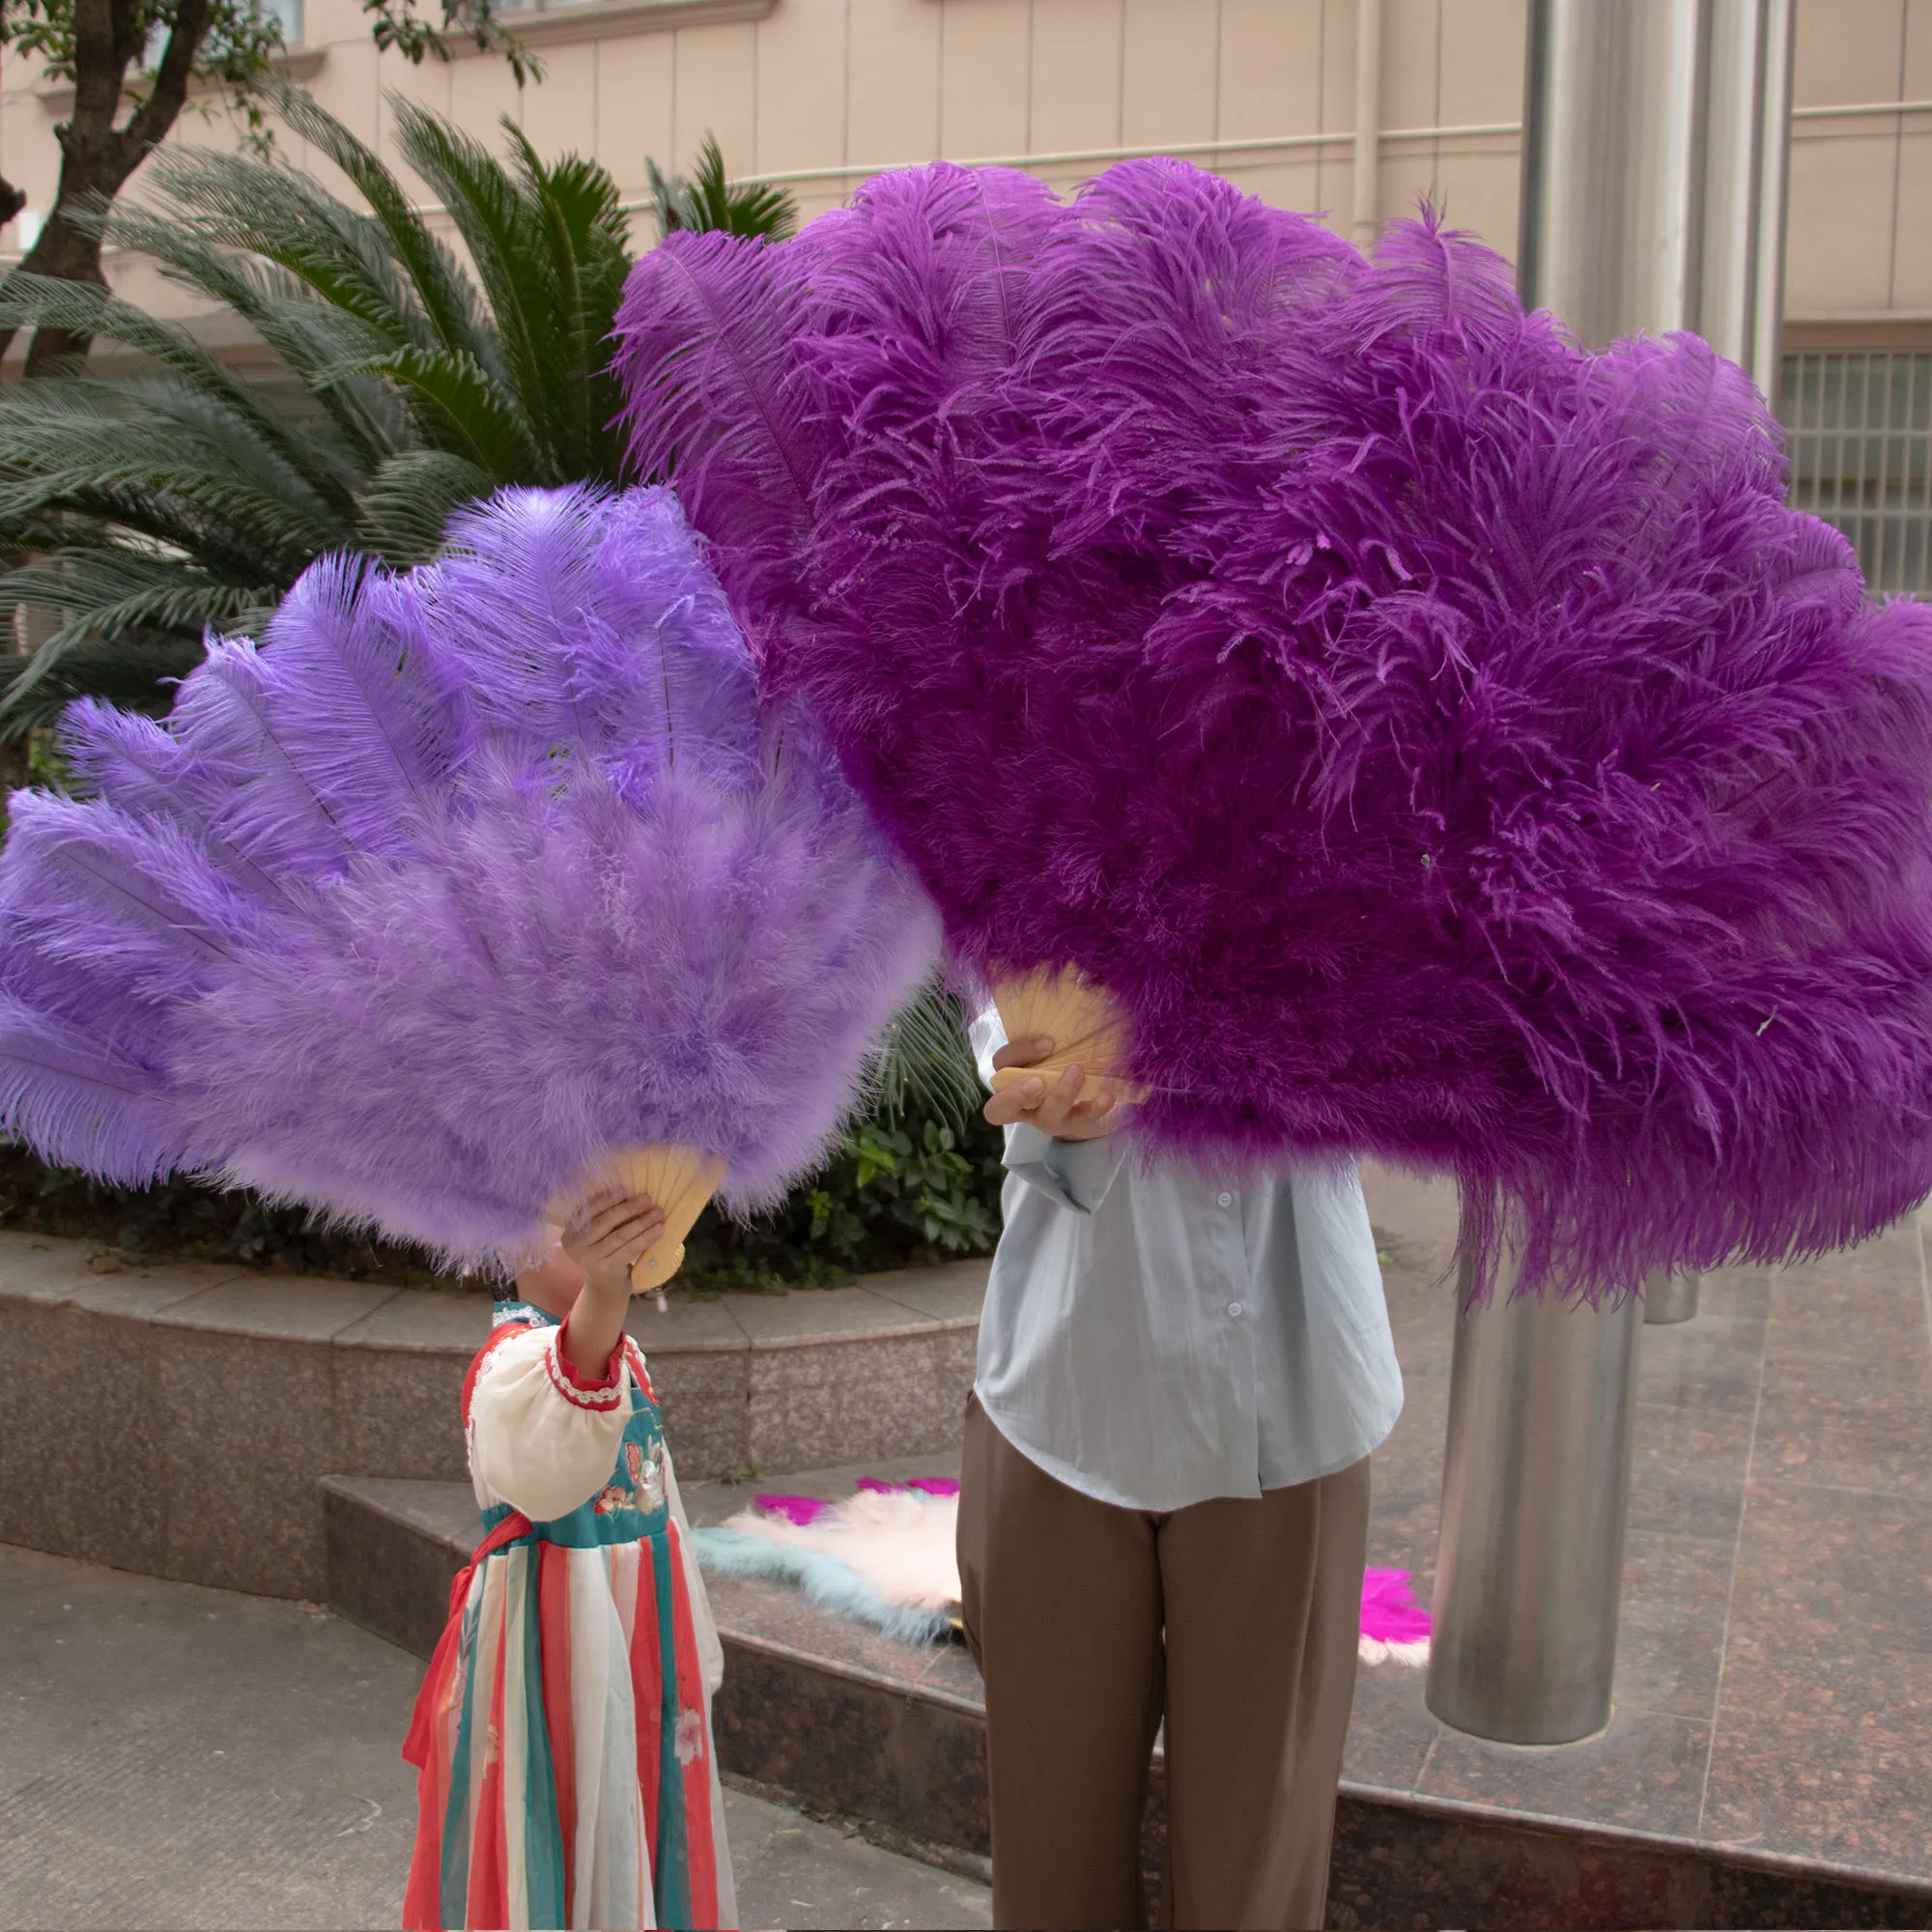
(1440, 741)
(464, 879)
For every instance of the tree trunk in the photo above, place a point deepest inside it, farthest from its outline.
(97, 158)
(15, 758)
(64, 252)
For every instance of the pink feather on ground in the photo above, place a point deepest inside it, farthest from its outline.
(804, 1511)
(1390, 1613)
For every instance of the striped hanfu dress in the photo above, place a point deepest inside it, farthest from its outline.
(562, 1736)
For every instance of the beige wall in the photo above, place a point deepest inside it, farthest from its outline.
(823, 90)
(1861, 234)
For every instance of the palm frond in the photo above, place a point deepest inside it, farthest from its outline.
(342, 253)
(185, 498)
(707, 200)
(672, 201)
(468, 411)
(136, 672)
(326, 348)
(504, 236)
(98, 574)
(74, 442)
(445, 294)
(588, 239)
(147, 588)
(41, 301)
(407, 503)
(158, 605)
(925, 1063)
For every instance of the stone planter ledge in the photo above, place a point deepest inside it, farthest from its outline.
(178, 1419)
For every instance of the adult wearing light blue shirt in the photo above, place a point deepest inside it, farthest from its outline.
(1164, 1512)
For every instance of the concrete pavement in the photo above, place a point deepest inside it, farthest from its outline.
(172, 1756)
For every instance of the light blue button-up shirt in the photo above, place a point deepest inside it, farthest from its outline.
(1155, 1337)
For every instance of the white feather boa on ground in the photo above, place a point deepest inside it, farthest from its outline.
(886, 1555)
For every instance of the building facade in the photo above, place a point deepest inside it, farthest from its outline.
(819, 94)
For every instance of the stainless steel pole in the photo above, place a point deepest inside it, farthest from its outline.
(1535, 1488)
(1725, 312)
(1766, 360)
(1739, 307)
(1740, 292)
(1536, 1469)
(1611, 235)
(1671, 1296)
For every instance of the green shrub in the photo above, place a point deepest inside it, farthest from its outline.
(178, 1220)
(903, 1191)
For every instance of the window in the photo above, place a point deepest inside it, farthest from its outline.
(1859, 427)
(290, 13)
(287, 12)
(537, 22)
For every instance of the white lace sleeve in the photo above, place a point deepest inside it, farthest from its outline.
(539, 1439)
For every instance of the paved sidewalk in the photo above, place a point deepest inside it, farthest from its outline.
(175, 1757)
(1773, 1678)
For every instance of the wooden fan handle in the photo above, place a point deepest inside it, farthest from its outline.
(656, 1266)
(1051, 1068)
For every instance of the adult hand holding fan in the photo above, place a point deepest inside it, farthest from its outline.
(1080, 1022)
(1441, 742)
(468, 891)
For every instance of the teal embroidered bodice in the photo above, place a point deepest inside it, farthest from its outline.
(632, 1504)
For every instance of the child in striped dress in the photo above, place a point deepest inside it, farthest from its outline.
(562, 1736)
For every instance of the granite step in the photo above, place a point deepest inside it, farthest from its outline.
(248, 1384)
(838, 1718)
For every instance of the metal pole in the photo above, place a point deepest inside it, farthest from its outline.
(1612, 164)
(1366, 227)
(1740, 292)
(1725, 314)
(1671, 1296)
(1535, 1488)
(1766, 360)
(1536, 1469)
(1740, 305)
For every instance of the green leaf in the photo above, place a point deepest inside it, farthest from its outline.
(134, 672)
(707, 200)
(407, 503)
(926, 1065)
(504, 232)
(438, 285)
(139, 512)
(473, 413)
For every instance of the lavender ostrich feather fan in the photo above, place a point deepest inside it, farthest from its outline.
(463, 880)
(1440, 741)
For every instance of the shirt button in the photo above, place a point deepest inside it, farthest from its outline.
(1237, 1309)
(1226, 1200)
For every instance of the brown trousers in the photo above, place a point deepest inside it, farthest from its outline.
(1234, 1619)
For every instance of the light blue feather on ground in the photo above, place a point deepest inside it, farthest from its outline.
(826, 1580)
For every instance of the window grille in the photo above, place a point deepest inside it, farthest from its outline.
(1860, 428)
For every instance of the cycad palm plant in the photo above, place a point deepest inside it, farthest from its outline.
(706, 199)
(142, 512)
